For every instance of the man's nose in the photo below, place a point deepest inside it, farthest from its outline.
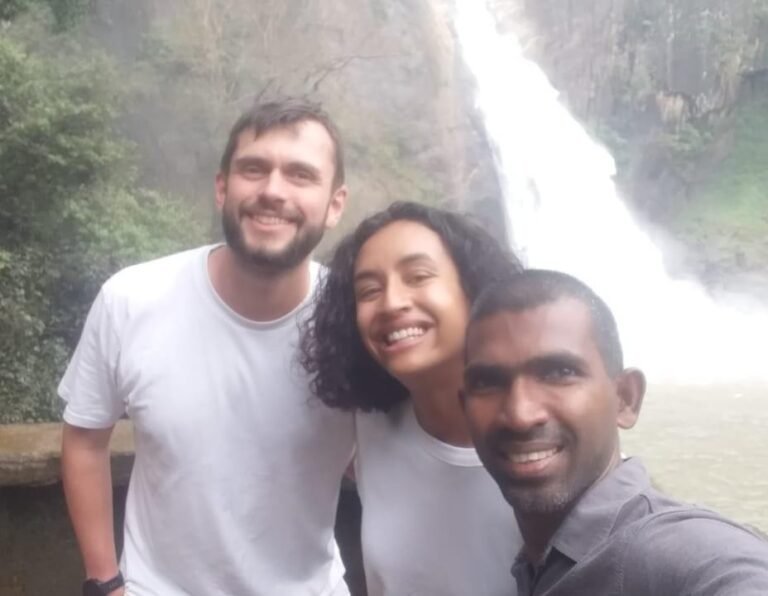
(524, 407)
(274, 186)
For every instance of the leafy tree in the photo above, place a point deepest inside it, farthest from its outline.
(70, 215)
(64, 12)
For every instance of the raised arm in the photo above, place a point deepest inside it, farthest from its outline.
(705, 555)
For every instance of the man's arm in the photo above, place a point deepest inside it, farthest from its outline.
(700, 556)
(87, 478)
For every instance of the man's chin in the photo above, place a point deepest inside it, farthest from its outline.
(537, 502)
(271, 261)
(261, 252)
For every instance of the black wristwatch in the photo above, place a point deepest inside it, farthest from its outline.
(93, 587)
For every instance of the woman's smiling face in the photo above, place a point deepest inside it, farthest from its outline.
(412, 311)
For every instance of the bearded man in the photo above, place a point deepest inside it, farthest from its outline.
(237, 472)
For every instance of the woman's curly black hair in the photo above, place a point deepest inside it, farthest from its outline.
(342, 372)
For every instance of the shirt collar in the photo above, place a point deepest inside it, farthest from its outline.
(593, 518)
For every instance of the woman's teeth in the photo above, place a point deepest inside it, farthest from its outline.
(402, 334)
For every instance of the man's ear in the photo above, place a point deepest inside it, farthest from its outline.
(336, 206)
(630, 387)
(221, 190)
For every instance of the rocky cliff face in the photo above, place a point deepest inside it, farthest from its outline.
(653, 78)
(614, 54)
(670, 86)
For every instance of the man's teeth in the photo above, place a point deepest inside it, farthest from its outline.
(270, 220)
(401, 334)
(524, 458)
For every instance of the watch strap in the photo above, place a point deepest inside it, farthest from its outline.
(108, 586)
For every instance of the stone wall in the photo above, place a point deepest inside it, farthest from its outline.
(38, 551)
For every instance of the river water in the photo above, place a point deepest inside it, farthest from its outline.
(707, 445)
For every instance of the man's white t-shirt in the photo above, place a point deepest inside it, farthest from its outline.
(237, 472)
(434, 521)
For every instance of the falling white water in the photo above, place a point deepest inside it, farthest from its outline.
(564, 213)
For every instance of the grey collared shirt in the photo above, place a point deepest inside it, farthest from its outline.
(623, 537)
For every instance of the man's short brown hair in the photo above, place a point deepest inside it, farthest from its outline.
(263, 117)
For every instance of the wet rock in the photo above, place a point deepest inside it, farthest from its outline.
(30, 454)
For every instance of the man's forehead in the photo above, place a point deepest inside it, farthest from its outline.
(307, 141)
(251, 134)
(292, 130)
(563, 324)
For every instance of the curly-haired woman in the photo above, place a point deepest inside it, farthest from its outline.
(386, 340)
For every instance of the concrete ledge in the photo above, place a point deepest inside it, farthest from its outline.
(30, 454)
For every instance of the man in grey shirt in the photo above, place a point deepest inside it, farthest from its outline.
(545, 394)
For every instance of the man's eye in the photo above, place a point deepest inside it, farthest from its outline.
(559, 374)
(253, 170)
(484, 383)
(302, 175)
(479, 385)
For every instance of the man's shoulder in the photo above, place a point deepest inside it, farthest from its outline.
(692, 525)
(151, 276)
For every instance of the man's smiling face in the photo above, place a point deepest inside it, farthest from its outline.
(541, 406)
(278, 198)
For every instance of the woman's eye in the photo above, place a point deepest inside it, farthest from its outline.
(368, 293)
(419, 276)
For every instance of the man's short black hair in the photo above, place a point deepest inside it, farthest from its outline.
(536, 287)
(285, 113)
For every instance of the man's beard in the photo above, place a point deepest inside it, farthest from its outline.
(270, 261)
(554, 496)
(549, 502)
(557, 497)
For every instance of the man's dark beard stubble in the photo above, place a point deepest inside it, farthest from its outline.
(304, 242)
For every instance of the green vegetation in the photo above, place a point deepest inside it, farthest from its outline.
(687, 144)
(727, 219)
(70, 214)
(65, 13)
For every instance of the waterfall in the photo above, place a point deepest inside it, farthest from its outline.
(563, 212)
